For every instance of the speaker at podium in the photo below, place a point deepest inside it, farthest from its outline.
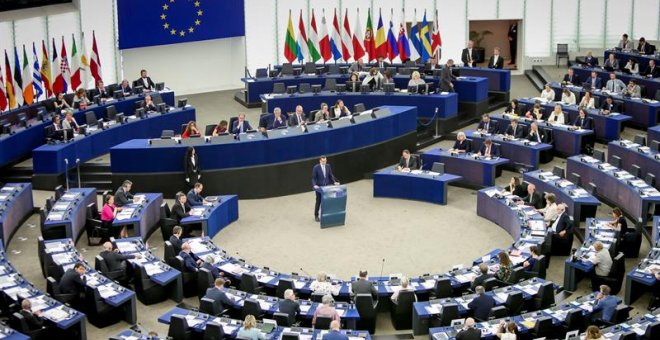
(333, 205)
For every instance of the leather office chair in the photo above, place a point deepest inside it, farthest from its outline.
(304, 87)
(364, 303)
(251, 307)
(640, 139)
(261, 73)
(333, 69)
(517, 275)
(359, 108)
(179, 328)
(148, 291)
(111, 112)
(575, 320)
(539, 268)
(208, 130)
(592, 188)
(615, 278)
(205, 281)
(214, 331)
(636, 171)
(40, 254)
(655, 145)
(630, 244)
(514, 303)
(167, 134)
(189, 278)
(575, 179)
(102, 266)
(323, 322)
(17, 322)
(316, 297)
(545, 297)
(558, 171)
(330, 84)
(449, 313)
(95, 228)
(491, 284)
(599, 155)
(652, 331)
(99, 313)
(166, 222)
(278, 88)
(282, 286)
(249, 284)
(209, 307)
(168, 253)
(562, 52)
(650, 179)
(53, 269)
(442, 288)
(90, 118)
(543, 327)
(401, 312)
(497, 312)
(287, 69)
(282, 319)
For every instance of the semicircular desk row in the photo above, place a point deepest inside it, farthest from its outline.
(281, 159)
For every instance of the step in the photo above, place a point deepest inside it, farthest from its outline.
(534, 78)
(95, 176)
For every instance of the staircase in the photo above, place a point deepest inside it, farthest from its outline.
(95, 175)
(16, 174)
(538, 77)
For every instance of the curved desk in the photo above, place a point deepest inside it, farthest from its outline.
(596, 230)
(16, 205)
(518, 152)
(283, 161)
(653, 134)
(215, 217)
(641, 279)
(423, 186)
(143, 216)
(624, 56)
(648, 160)
(68, 216)
(476, 172)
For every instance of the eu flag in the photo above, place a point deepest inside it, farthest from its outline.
(160, 22)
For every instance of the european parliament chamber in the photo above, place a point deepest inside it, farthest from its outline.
(465, 169)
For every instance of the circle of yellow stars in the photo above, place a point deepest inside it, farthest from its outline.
(181, 32)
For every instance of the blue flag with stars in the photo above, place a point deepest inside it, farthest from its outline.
(160, 22)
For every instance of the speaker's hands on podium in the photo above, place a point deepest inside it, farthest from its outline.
(336, 183)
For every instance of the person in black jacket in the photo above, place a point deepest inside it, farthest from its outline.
(181, 209)
(482, 304)
(468, 332)
(479, 280)
(116, 261)
(144, 81)
(533, 198)
(208, 265)
(218, 295)
(289, 306)
(514, 130)
(33, 319)
(496, 61)
(407, 162)
(191, 167)
(72, 282)
(123, 194)
(175, 239)
(582, 121)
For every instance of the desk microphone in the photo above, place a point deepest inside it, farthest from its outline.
(304, 272)
(381, 268)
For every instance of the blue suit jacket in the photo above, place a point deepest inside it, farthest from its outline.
(585, 123)
(246, 127)
(219, 297)
(335, 335)
(189, 261)
(274, 124)
(194, 199)
(598, 81)
(481, 306)
(494, 151)
(607, 306)
(317, 176)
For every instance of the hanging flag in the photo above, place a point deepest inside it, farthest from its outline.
(18, 79)
(58, 86)
(324, 44)
(381, 42)
(45, 70)
(9, 88)
(28, 89)
(36, 74)
(84, 63)
(3, 93)
(416, 51)
(290, 49)
(303, 51)
(392, 46)
(369, 42)
(63, 72)
(346, 37)
(75, 65)
(313, 42)
(95, 61)
(436, 40)
(358, 50)
(404, 47)
(335, 41)
(425, 37)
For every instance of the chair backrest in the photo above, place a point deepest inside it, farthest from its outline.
(405, 302)
(90, 118)
(650, 179)
(111, 112)
(498, 312)
(514, 303)
(616, 161)
(640, 139)
(543, 326)
(323, 322)
(310, 68)
(49, 203)
(208, 306)
(592, 188)
(574, 319)
(333, 69)
(251, 307)
(438, 167)
(490, 284)
(287, 69)
(574, 178)
(599, 155)
(205, 281)
(282, 286)
(214, 331)
(17, 321)
(562, 48)
(278, 88)
(636, 171)
(618, 266)
(359, 108)
(364, 303)
(517, 275)
(317, 297)
(449, 313)
(540, 266)
(558, 171)
(169, 252)
(282, 319)
(443, 288)
(546, 295)
(261, 73)
(655, 144)
(652, 331)
(178, 327)
(208, 130)
(167, 134)
(330, 84)
(249, 283)
(304, 87)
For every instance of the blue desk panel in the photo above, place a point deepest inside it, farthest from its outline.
(653, 134)
(646, 161)
(75, 217)
(49, 159)
(15, 208)
(420, 187)
(447, 104)
(146, 217)
(294, 146)
(623, 57)
(475, 172)
(515, 151)
(216, 217)
(641, 279)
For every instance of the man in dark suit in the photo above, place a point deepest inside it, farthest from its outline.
(482, 304)
(488, 149)
(277, 120)
(100, 91)
(144, 81)
(181, 208)
(124, 88)
(643, 47)
(208, 265)
(515, 130)
(407, 162)
(123, 194)
(175, 239)
(469, 55)
(72, 280)
(582, 121)
(321, 176)
(609, 105)
(571, 78)
(496, 61)
(381, 63)
(535, 135)
(594, 81)
(590, 60)
(194, 196)
(364, 286)
(289, 306)
(513, 42)
(33, 319)
(241, 125)
(116, 261)
(218, 295)
(446, 77)
(335, 333)
(533, 198)
(479, 280)
(486, 125)
(562, 224)
(652, 71)
(190, 260)
(468, 332)
(298, 118)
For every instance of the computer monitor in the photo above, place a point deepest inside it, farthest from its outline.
(97, 99)
(118, 94)
(162, 107)
(291, 90)
(119, 118)
(423, 88)
(388, 87)
(438, 167)
(340, 88)
(42, 114)
(181, 103)
(139, 112)
(160, 86)
(412, 88)
(138, 89)
(337, 123)
(316, 88)
(6, 128)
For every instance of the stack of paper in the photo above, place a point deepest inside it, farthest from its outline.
(107, 291)
(192, 321)
(55, 216)
(152, 269)
(55, 314)
(38, 303)
(433, 309)
(197, 211)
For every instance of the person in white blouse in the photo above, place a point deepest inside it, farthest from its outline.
(416, 79)
(568, 97)
(632, 66)
(323, 286)
(551, 210)
(587, 101)
(548, 93)
(557, 116)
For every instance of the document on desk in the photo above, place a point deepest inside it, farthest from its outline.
(8, 281)
(265, 305)
(501, 297)
(198, 211)
(341, 312)
(56, 314)
(233, 268)
(14, 292)
(264, 278)
(433, 309)
(467, 277)
(60, 206)
(152, 269)
(55, 216)
(38, 303)
(127, 247)
(305, 308)
(125, 214)
(55, 247)
(62, 258)
(107, 291)
(3, 197)
(299, 284)
(428, 284)
(192, 321)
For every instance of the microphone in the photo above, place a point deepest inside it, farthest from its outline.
(382, 265)
(304, 272)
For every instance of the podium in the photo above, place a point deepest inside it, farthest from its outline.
(333, 205)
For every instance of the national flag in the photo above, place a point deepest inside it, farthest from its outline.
(392, 47)
(36, 74)
(303, 51)
(324, 42)
(95, 61)
(369, 42)
(75, 65)
(63, 77)
(436, 40)
(18, 79)
(381, 41)
(346, 37)
(335, 41)
(313, 42)
(11, 99)
(45, 70)
(84, 64)
(290, 48)
(3, 93)
(425, 37)
(404, 47)
(58, 86)
(358, 50)
(416, 51)
(28, 89)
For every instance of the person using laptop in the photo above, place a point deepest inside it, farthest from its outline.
(611, 63)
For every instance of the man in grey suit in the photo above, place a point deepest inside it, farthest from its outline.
(364, 286)
(446, 77)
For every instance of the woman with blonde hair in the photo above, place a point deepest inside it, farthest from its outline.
(249, 329)
(593, 333)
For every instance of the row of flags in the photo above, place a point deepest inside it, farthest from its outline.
(423, 41)
(31, 82)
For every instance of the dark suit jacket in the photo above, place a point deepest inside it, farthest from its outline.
(179, 211)
(575, 80)
(519, 133)
(191, 171)
(517, 190)
(126, 89)
(464, 57)
(189, 261)
(176, 243)
(139, 82)
(122, 197)
(598, 83)
(412, 163)
(534, 200)
(71, 282)
(445, 79)
(289, 307)
(511, 110)
(219, 298)
(469, 334)
(499, 64)
(655, 72)
(492, 126)
(246, 127)
(34, 322)
(610, 107)
(494, 150)
(534, 138)
(465, 145)
(210, 267)
(364, 287)
(194, 199)
(115, 261)
(293, 120)
(591, 61)
(481, 306)
(99, 92)
(564, 223)
(646, 48)
(317, 176)
(274, 123)
(585, 123)
(479, 280)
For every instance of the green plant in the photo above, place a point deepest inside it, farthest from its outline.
(478, 37)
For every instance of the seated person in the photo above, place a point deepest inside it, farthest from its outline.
(249, 329)
(609, 106)
(109, 212)
(191, 130)
(116, 261)
(582, 121)
(326, 309)
(194, 197)
(123, 194)
(590, 60)
(587, 101)
(405, 286)
(32, 319)
(479, 280)
(241, 125)
(652, 71)
(571, 78)
(562, 224)
(489, 149)
(507, 330)
(594, 81)
(407, 162)
(633, 90)
(60, 103)
(340, 110)
(535, 113)
(323, 286)
(503, 273)
(486, 126)
(532, 259)
(568, 97)
(605, 304)
(72, 281)
(643, 47)
(181, 208)
(557, 116)
(335, 333)
(101, 91)
(175, 239)
(416, 79)
(514, 130)
(278, 120)
(461, 145)
(56, 126)
(220, 128)
(209, 260)
(124, 88)
(357, 66)
(353, 83)
(615, 85)
(632, 66)
(533, 197)
(374, 79)
(625, 43)
(149, 104)
(218, 295)
(551, 209)
(69, 122)
(387, 77)
(144, 81)
(482, 304)
(265, 120)
(289, 306)
(515, 187)
(611, 63)
(619, 222)
(548, 93)
(190, 260)
(323, 114)
(298, 118)
(534, 134)
(468, 332)
(513, 108)
(80, 100)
